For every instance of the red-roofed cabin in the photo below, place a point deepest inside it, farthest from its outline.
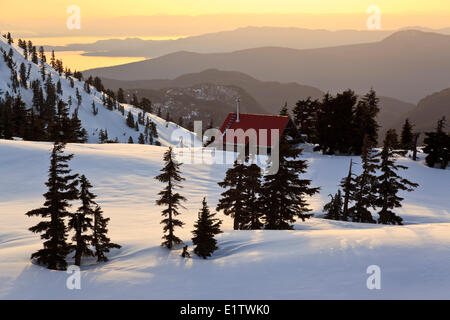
(265, 129)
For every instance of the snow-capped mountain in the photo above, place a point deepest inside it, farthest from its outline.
(111, 120)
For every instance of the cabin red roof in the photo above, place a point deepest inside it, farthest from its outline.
(261, 123)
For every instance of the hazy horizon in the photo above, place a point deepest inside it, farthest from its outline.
(173, 18)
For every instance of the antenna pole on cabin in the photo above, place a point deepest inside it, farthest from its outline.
(238, 102)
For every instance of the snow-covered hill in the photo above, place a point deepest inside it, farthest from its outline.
(113, 121)
(319, 259)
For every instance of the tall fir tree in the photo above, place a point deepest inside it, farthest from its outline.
(391, 138)
(389, 184)
(130, 120)
(305, 112)
(407, 137)
(241, 199)
(283, 193)
(62, 188)
(364, 195)
(100, 241)
(206, 227)
(348, 187)
(81, 221)
(141, 139)
(364, 121)
(334, 128)
(121, 96)
(169, 197)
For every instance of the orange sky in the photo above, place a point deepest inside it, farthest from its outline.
(168, 18)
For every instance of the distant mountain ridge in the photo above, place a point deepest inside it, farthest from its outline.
(268, 94)
(407, 65)
(227, 41)
(234, 40)
(256, 96)
(429, 110)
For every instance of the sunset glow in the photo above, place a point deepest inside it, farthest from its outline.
(177, 18)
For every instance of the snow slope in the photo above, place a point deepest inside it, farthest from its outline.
(112, 121)
(319, 259)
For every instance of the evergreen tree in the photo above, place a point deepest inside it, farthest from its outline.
(61, 189)
(252, 206)
(416, 136)
(76, 132)
(87, 87)
(364, 121)
(19, 116)
(170, 198)
(94, 109)
(59, 88)
(437, 146)
(305, 117)
(81, 221)
(34, 56)
(130, 140)
(146, 105)
(348, 186)
(407, 137)
(121, 96)
(61, 126)
(79, 98)
(334, 128)
(389, 184)
(365, 189)
(59, 67)
(206, 227)
(135, 100)
(48, 112)
(103, 136)
(333, 209)
(283, 193)
(6, 122)
(391, 138)
(9, 38)
(233, 199)
(100, 240)
(141, 139)
(23, 75)
(240, 200)
(98, 85)
(52, 60)
(130, 120)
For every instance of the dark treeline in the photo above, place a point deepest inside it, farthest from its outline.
(48, 117)
(338, 124)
